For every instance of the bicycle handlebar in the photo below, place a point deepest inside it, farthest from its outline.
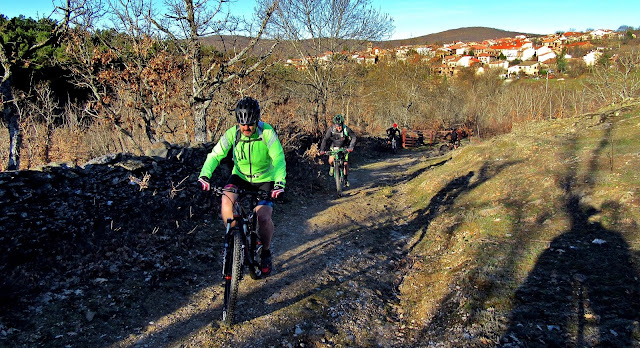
(260, 194)
(335, 151)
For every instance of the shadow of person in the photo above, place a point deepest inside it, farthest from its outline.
(583, 290)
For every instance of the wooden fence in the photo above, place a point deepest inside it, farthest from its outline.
(418, 137)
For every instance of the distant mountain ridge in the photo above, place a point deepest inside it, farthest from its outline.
(466, 34)
(479, 34)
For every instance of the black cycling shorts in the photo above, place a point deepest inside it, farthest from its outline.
(252, 186)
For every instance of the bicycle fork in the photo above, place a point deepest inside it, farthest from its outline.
(250, 246)
(228, 249)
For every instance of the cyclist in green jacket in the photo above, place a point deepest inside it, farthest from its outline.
(259, 164)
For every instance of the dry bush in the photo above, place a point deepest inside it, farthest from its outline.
(617, 82)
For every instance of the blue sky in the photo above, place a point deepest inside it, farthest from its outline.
(414, 18)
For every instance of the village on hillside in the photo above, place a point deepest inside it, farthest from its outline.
(518, 56)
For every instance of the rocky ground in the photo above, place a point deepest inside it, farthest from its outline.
(125, 251)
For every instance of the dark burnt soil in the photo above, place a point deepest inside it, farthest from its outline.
(92, 254)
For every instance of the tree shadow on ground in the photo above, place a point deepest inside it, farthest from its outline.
(446, 197)
(584, 289)
(439, 204)
(396, 167)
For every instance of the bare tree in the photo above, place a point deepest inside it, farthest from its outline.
(12, 56)
(186, 24)
(133, 78)
(151, 78)
(316, 28)
(616, 83)
(94, 66)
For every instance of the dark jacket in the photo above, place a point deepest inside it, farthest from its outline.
(393, 132)
(333, 138)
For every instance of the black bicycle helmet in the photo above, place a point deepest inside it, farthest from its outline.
(248, 111)
(338, 119)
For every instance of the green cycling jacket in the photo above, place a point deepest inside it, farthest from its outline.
(258, 158)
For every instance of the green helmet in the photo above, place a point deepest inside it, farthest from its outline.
(338, 119)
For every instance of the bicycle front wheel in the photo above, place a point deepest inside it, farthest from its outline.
(337, 174)
(232, 280)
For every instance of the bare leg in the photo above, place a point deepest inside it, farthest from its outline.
(226, 207)
(265, 224)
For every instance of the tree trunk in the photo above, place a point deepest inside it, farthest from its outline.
(316, 116)
(147, 116)
(200, 120)
(15, 142)
(10, 117)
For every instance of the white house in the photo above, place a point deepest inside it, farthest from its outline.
(499, 64)
(530, 68)
(601, 33)
(459, 48)
(511, 54)
(484, 58)
(464, 61)
(425, 51)
(592, 57)
(527, 53)
(545, 53)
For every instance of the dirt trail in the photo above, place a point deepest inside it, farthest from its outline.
(337, 263)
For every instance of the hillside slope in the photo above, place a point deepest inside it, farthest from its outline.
(532, 238)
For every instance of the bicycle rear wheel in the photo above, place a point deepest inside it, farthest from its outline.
(443, 149)
(232, 280)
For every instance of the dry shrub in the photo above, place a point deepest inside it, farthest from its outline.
(67, 146)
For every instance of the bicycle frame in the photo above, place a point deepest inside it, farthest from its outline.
(244, 215)
(241, 246)
(338, 168)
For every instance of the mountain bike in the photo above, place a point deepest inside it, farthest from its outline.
(339, 155)
(394, 144)
(446, 147)
(242, 247)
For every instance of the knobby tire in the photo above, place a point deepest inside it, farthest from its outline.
(232, 284)
(443, 149)
(337, 174)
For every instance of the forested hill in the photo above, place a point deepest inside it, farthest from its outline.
(477, 34)
(468, 34)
